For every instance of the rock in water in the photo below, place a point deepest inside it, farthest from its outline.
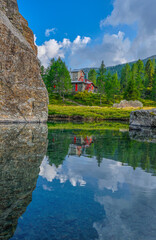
(143, 118)
(23, 95)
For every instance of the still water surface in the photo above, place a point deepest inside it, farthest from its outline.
(76, 185)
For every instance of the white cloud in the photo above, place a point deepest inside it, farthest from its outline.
(142, 14)
(80, 43)
(49, 31)
(54, 49)
(114, 48)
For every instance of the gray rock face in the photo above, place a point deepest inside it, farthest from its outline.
(127, 104)
(22, 150)
(143, 118)
(23, 95)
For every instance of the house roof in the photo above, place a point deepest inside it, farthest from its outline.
(77, 70)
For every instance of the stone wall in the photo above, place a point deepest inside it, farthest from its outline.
(23, 95)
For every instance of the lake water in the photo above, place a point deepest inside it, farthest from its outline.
(76, 184)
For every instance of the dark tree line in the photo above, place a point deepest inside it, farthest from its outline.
(138, 81)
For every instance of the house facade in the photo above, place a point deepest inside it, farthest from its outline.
(80, 83)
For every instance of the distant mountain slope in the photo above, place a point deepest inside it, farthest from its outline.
(118, 68)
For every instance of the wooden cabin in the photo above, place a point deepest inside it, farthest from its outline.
(80, 83)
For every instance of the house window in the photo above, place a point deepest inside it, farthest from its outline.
(76, 87)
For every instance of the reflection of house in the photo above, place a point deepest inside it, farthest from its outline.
(80, 83)
(79, 144)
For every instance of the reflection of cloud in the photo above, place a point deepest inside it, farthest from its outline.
(47, 171)
(46, 188)
(126, 214)
(63, 174)
(130, 203)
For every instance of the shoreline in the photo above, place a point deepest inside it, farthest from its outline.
(79, 118)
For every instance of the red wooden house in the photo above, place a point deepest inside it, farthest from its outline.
(80, 83)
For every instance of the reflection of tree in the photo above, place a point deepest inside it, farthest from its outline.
(23, 147)
(109, 144)
(58, 146)
(118, 146)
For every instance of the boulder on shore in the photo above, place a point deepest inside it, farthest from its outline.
(23, 95)
(128, 104)
(143, 118)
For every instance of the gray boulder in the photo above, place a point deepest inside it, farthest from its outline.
(143, 118)
(126, 104)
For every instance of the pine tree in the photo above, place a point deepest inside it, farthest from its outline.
(153, 93)
(131, 92)
(92, 75)
(101, 80)
(125, 76)
(140, 78)
(149, 70)
(58, 77)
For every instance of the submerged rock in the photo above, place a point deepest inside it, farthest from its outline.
(22, 150)
(143, 118)
(23, 95)
(127, 104)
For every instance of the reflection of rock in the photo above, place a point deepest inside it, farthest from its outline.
(143, 135)
(126, 104)
(21, 151)
(143, 118)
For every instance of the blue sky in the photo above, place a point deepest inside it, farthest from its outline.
(86, 32)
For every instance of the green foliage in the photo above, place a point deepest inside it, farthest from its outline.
(149, 71)
(137, 81)
(153, 92)
(131, 92)
(112, 86)
(90, 113)
(125, 76)
(92, 76)
(101, 80)
(58, 77)
(108, 143)
(90, 99)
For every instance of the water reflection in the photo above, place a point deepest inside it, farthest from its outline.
(115, 145)
(92, 185)
(144, 135)
(22, 150)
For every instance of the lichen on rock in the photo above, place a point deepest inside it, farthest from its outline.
(128, 104)
(143, 118)
(23, 95)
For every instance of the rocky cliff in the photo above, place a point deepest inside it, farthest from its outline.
(23, 95)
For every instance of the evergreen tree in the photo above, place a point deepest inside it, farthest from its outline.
(92, 75)
(125, 76)
(153, 93)
(140, 78)
(112, 86)
(101, 80)
(131, 92)
(149, 70)
(58, 77)
(108, 87)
